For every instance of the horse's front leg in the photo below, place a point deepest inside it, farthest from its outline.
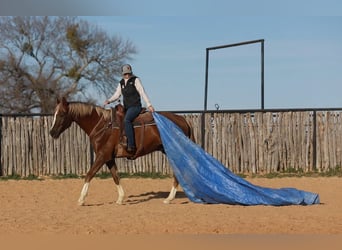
(173, 191)
(90, 175)
(114, 171)
(84, 193)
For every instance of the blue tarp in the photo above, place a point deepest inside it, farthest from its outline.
(205, 180)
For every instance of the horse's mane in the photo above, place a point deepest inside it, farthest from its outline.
(78, 109)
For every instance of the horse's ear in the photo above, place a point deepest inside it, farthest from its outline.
(64, 101)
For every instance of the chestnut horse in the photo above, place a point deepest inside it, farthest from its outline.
(105, 138)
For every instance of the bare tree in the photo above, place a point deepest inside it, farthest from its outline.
(45, 57)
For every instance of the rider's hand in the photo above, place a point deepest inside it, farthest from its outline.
(151, 109)
(106, 102)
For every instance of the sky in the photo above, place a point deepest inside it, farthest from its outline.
(302, 39)
(303, 60)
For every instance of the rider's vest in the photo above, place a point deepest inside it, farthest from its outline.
(131, 96)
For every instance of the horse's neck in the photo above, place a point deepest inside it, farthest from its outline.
(87, 123)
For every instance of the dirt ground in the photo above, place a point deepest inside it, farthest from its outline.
(48, 208)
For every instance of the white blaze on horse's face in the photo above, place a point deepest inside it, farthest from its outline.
(56, 124)
(57, 112)
(54, 120)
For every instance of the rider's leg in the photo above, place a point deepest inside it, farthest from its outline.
(131, 114)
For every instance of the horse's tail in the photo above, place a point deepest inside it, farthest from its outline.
(190, 131)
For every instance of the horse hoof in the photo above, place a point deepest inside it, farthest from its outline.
(166, 201)
(119, 202)
(81, 203)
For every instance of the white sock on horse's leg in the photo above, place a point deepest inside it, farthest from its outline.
(121, 194)
(171, 196)
(84, 193)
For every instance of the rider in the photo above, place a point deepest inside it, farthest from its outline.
(132, 90)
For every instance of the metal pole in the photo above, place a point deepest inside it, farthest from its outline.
(205, 99)
(314, 141)
(206, 79)
(262, 76)
(235, 44)
(1, 171)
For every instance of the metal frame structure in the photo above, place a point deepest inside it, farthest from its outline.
(261, 41)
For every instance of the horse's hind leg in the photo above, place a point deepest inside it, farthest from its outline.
(173, 191)
(114, 171)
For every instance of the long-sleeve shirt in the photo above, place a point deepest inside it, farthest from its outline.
(117, 94)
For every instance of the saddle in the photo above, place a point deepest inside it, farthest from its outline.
(118, 114)
(145, 118)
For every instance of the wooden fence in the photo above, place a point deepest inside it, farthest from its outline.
(245, 142)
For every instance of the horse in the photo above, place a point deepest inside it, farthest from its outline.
(99, 124)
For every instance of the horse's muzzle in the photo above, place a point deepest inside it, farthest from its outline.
(54, 134)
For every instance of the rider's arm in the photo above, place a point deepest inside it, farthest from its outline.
(116, 94)
(142, 92)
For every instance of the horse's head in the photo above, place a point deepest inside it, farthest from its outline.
(62, 119)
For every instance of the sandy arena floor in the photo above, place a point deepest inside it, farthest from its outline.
(48, 208)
